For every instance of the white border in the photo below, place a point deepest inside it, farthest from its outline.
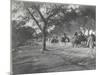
(5, 37)
(85, 2)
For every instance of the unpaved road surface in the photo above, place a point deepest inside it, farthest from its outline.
(30, 59)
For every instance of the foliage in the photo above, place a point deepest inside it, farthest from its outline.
(20, 35)
(42, 16)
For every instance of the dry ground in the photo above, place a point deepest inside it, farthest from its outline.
(30, 59)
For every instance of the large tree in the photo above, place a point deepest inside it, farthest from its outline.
(47, 14)
(44, 15)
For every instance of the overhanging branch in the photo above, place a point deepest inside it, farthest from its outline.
(40, 14)
(35, 20)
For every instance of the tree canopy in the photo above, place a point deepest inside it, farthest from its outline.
(47, 17)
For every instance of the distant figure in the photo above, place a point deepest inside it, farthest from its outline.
(91, 43)
(55, 39)
(75, 40)
(82, 37)
(76, 34)
(65, 39)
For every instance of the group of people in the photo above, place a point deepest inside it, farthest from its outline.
(79, 39)
(64, 38)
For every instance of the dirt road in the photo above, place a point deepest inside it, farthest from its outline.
(29, 59)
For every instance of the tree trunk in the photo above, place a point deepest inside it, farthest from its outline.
(44, 38)
(44, 42)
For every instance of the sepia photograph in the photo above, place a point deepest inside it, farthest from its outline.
(52, 37)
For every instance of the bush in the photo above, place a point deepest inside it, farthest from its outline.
(21, 35)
